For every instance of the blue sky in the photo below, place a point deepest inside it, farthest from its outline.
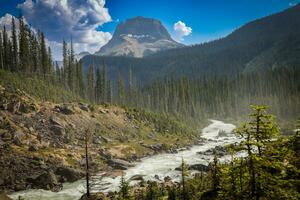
(209, 19)
(202, 20)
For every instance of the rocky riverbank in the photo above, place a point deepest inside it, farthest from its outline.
(41, 143)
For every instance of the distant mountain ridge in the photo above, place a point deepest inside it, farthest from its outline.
(138, 37)
(268, 43)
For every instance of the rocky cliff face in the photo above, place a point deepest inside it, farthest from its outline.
(138, 37)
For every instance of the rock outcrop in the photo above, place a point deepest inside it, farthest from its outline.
(138, 37)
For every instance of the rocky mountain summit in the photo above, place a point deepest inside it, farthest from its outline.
(139, 37)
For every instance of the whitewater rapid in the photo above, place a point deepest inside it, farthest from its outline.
(161, 165)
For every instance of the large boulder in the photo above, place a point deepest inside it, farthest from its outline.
(119, 164)
(84, 107)
(64, 109)
(46, 180)
(58, 130)
(199, 167)
(56, 121)
(18, 138)
(68, 174)
(218, 151)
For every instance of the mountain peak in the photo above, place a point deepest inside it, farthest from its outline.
(138, 37)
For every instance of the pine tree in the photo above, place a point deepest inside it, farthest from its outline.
(65, 64)
(71, 70)
(258, 134)
(103, 85)
(98, 86)
(124, 189)
(5, 49)
(80, 82)
(34, 54)
(57, 73)
(90, 85)
(15, 62)
(24, 47)
(1, 52)
(44, 56)
(184, 174)
(121, 90)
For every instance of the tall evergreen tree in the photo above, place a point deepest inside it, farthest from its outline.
(121, 90)
(90, 85)
(71, 68)
(15, 62)
(65, 74)
(80, 81)
(24, 47)
(44, 56)
(1, 53)
(5, 49)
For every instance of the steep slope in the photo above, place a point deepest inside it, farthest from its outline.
(42, 143)
(230, 55)
(138, 37)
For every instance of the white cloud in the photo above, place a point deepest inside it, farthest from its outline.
(63, 19)
(181, 30)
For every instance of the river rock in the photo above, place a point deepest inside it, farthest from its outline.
(157, 177)
(218, 151)
(167, 179)
(199, 167)
(137, 177)
(222, 133)
(119, 164)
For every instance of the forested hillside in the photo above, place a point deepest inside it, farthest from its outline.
(267, 43)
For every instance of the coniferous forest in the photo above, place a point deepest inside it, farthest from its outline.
(96, 120)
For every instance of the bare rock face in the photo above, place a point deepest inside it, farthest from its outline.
(139, 37)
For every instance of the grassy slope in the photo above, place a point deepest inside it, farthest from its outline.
(40, 89)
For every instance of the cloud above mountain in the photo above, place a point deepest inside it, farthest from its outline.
(181, 30)
(63, 19)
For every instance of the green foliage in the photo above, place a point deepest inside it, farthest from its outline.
(266, 174)
(164, 123)
(124, 190)
(263, 174)
(153, 192)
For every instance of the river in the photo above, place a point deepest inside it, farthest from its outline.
(162, 165)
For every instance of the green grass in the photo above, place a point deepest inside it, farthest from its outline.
(37, 87)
